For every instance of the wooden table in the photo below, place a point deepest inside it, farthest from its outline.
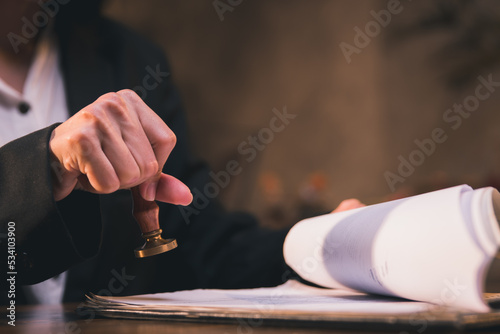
(63, 320)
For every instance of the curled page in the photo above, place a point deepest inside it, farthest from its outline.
(435, 247)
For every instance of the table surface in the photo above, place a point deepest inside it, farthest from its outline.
(59, 319)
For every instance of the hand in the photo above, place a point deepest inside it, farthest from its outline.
(348, 204)
(117, 142)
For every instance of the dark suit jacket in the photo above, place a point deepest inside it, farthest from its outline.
(94, 235)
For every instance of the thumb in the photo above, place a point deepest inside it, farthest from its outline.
(166, 189)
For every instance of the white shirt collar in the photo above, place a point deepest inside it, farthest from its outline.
(43, 91)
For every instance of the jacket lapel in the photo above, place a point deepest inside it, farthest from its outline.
(87, 72)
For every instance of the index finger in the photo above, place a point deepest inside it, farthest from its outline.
(160, 136)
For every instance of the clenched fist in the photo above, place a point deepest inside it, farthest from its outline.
(117, 142)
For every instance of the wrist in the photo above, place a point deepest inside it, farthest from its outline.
(63, 182)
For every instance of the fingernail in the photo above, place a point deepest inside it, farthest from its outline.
(151, 191)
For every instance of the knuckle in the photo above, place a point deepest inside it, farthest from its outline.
(83, 142)
(173, 138)
(90, 115)
(113, 102)
(111, 96)
(68, 163)
(128, 93)
(167, 138)
(150, 169)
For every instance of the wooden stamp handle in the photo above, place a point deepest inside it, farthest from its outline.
(145, 212)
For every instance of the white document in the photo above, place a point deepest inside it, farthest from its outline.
(291, 296)
(434, 247)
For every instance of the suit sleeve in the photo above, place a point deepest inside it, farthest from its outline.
(43, 232)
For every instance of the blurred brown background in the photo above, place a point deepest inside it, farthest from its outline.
(354, 119)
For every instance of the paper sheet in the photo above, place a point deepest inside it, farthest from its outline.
(434, 247)
(291, 296)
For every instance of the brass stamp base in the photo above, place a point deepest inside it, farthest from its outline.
(154, 244)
